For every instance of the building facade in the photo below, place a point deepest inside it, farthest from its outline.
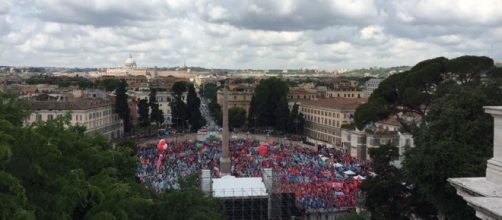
(240, 99)
(371, 85)
(300, 93)
(350, 93)
(325, 117)
(97, 115)
(163, 99)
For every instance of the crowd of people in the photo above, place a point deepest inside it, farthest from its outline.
(323, 179)
(320, 179)
(177, 160)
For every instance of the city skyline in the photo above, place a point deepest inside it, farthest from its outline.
(245, 35)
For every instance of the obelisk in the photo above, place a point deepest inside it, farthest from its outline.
(225, 159)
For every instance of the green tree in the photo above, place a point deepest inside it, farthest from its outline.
(281, 115)
(453, 138)
(179, 88)
(178, 112)
(156, 114)
(210, 90)
(269, 98)
(236, 117)
(195, 118)
(108, 84)
(296, 121)
(55, 171)
(173, 205)
(252, 115)
(388, 194)
(143, 111)
(121, 105)
(456, 140)
(412, 92)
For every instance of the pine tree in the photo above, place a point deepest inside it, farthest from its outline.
(121, 106)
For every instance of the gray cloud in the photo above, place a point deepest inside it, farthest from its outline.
(291, 15)
(246, 34)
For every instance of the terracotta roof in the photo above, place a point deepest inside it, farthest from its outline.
(79, 104)
(335, 103)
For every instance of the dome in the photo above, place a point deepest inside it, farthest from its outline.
(130, 62)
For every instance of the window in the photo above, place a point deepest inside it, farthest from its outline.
(38, 117)
(50, 117)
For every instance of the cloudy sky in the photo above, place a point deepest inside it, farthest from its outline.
(261, 34)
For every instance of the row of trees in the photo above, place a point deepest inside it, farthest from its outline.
(52, 170)
(149, 111)
(268, 108)
(186, 114)
(453, 136)
(81, 82)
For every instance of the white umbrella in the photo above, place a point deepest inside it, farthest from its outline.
(349, 172)
(338, 165)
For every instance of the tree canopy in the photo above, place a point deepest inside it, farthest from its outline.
(412, 92)
(195, 118)
(122, 106)
(52, 170)
(236, 117)
(453, 136)
(269, 103)
(456, 140)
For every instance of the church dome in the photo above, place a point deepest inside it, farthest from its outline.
(130, 62)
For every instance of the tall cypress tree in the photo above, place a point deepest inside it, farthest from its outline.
(193, 106)
(121, 106)
(156, 114)
(252, 112)
(144, 119)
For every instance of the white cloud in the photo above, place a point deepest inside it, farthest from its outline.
(246, 34)
(341, 47)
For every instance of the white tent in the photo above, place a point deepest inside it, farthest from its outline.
(349, 172)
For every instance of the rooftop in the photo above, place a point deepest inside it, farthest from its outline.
(336, 103)
(77, 104)
(230, 186)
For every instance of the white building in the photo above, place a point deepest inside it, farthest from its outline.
(163, 99)
(96, 114)
(371, 85)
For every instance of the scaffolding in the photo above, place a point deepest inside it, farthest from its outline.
(254, 203)
(244, 204)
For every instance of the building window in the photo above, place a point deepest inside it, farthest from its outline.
(50, 117)
(38, 117)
